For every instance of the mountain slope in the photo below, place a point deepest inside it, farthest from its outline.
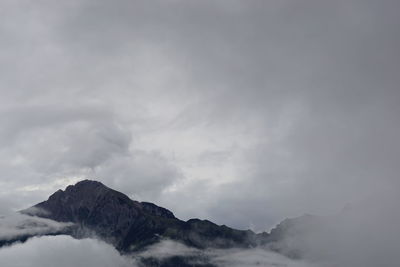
(129, 225)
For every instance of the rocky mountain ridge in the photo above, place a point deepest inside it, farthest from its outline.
(130, 225)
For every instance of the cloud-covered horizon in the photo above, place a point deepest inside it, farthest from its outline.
(65, 251)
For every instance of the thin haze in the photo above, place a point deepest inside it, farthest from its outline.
(240, 112)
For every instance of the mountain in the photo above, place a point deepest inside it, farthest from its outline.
(91, 209)
(291, 237)
(129, 225)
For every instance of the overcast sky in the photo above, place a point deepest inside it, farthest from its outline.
(240, 112)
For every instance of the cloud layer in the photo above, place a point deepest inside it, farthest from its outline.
(16, 226)
(249, 111)
(63, 251)
(220, 257)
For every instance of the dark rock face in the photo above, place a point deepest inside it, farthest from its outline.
(129, 225)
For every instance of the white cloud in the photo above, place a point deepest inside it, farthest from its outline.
(253, 257)
(220, 257)
(18, 225)
(62, 251)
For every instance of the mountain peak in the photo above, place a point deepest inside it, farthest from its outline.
(87, 182)
(87, 185)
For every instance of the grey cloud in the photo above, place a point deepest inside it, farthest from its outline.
(363, 234)
(44, 143)
(51, 139)
(293, 106)
(141, 175)
(326, 117)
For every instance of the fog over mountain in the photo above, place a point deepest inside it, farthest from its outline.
(243, 113)
(144, 234)
(129, 233)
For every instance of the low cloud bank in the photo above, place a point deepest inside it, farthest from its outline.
(17, 225)
(167, 249)
(253, 257)
(62, 251)
(65, 251)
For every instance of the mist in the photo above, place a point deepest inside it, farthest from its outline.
(220, 257)
(14, 226)
(363, 234)
(63, 251)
